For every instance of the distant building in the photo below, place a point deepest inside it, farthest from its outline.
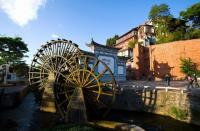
(143, 34)
(7, 74)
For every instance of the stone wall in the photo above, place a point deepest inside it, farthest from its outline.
(13, 97)
(174, 103)
(158, 60)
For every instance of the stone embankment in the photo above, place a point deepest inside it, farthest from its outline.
(12, 95)
(178, 103)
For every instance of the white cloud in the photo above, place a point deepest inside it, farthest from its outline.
(21, 11)
(55, 36)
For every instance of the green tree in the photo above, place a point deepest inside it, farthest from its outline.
(12, 49)
(188, 67)
(131, 44)
(158, 12)
(112, 41)
(21, 69)
(192, 14)
(192, 33)
(161, 18)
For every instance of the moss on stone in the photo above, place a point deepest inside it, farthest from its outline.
(72, 127)
(178, 113)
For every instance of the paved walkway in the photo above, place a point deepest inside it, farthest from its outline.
(177, 84)
(174, 85)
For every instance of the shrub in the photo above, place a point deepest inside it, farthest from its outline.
(188, 67)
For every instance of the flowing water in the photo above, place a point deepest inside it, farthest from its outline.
(20, 117)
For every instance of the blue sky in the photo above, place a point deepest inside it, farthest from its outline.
(38, 21)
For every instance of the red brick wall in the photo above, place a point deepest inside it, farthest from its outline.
(165, 58)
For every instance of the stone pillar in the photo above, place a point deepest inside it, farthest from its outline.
(6, 73)
(48, 98)
(76, 110)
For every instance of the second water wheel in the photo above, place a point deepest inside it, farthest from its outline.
(85, 87)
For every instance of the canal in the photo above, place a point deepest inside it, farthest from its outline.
(26, 117)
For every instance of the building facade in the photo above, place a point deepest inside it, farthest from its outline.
(143, 34)
(108, 55)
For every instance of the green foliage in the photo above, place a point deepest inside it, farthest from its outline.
(192, 33)
(21, 69)
(170, 29)
(192, 14)
(161, 18)
(159, 12)
(178, 113)
(131, 44)
(12, 49)
(112, 41)
(188, 67)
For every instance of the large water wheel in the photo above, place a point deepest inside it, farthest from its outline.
(95, 87)
(53, 57)
(71, 80)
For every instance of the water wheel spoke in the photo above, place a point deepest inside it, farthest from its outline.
(37, 73)
(71, 81)
(38, 81)
(66, 100)
(68, 48)
(35, 78)
(73, 78)
(83, 72)
(51, 62)
(46, 64)
(37, 68)
(102, 103)
(93, 79)
(63, 48)
(92, 86)
(108, 94)
(102, 73)
(94, 66)
(87, 77)
(46, 69)
(60, 62)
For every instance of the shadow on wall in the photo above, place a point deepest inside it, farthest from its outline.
(161, 69)
(141, 63)
(136, 100)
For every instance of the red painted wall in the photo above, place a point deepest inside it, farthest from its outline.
(161, 59)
